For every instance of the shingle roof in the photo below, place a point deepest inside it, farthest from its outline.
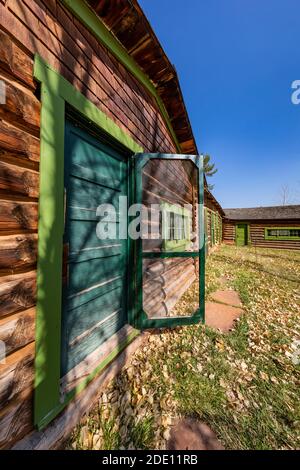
(264, 213)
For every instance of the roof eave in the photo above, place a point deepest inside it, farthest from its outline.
(127, 22)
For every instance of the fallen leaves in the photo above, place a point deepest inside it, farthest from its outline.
(247, 378)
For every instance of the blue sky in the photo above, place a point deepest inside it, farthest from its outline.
(236, 60)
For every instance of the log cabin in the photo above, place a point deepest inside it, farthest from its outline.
(213, 221)
(267, 227)
(91, 112)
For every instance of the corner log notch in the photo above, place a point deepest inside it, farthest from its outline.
(126, 20)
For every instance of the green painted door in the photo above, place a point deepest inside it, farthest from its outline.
(241, 234)
(95, 270)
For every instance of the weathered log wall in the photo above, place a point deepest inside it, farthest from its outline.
(19, 189)
(257, 234)
(213, 219)
(228, 232)
(47, 28)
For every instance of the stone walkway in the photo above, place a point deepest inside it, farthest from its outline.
(224, 310)
(190, 434)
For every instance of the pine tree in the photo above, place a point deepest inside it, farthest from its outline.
(209, 169)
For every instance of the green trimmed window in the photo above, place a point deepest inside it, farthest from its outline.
(175, 227)
(282, 233)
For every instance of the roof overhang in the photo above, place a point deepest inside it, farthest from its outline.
(127, 24)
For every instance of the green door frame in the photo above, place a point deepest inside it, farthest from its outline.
(138, 317)
(56, 92)
(247, 235)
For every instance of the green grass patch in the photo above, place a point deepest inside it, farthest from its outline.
(244, 385)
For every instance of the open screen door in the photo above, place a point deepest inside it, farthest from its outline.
(169, 250)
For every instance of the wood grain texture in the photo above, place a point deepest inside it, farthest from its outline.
(228, 232)
(18, 330)
(17, 292)
(18, 145)
(127, 22)
(17, 374)
(16, 420)
(21, 108)
(15, 61)
(54, 48)
(81, 73)
(104, 71)
(18, 252)
(257, 234)
(18, 181)
(16, 216)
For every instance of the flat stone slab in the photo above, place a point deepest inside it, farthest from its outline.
(228, 297)
(221, 317)
(190, 434)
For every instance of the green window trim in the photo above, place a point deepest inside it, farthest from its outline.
(92, 22)
(216, 227)
(281, 237)
(180, 244)
(56, 92)
(206, 230)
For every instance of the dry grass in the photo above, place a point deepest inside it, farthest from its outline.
(244, 385)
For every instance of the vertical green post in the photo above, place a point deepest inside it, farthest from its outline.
(49, 273)
(201, 235)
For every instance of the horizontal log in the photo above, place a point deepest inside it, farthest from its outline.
(20, 108)
(18, 215)
(166, 279)
(15, 61)
(31, 31)
(161, 268)
(54, 435)
(18, 144)
(16, 420)
(172, 176)
(151, 302)
(109, 99)
(16, 374)
(174, 299)
(173, 287)
(18, 181)
(97, 66)
(18, 330)
(18, 251)
(278, 245)
(17, 292)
